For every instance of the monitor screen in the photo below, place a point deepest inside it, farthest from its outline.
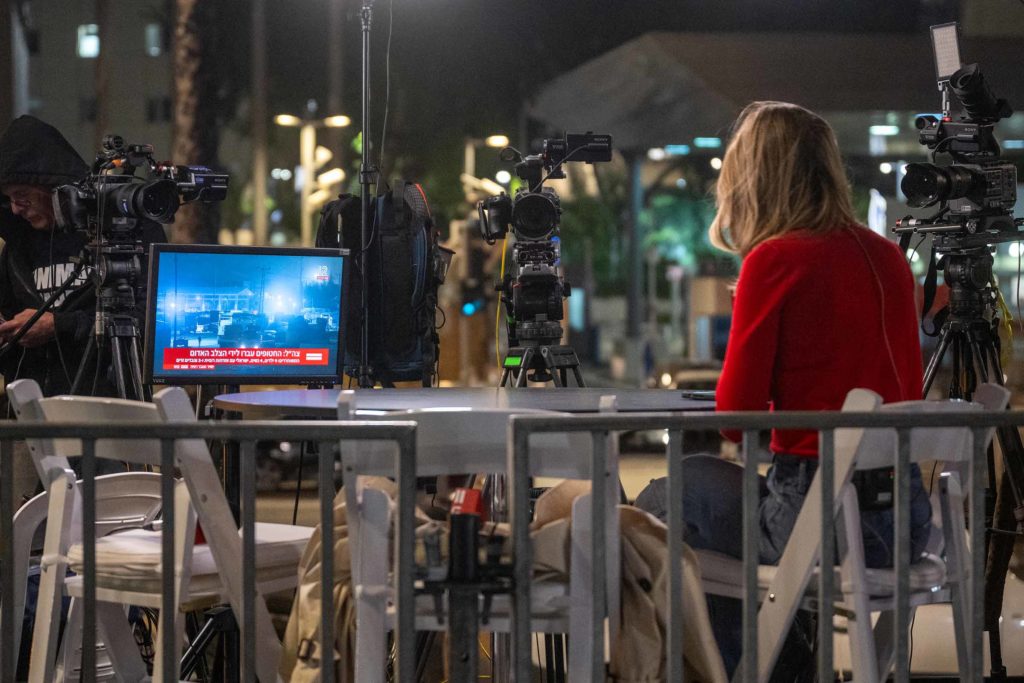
(244, 315)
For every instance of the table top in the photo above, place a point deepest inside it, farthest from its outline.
(322, 403)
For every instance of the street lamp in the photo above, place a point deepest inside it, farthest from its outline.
(469, 163)
(315, 189)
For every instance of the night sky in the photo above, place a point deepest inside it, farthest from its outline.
(464, 67)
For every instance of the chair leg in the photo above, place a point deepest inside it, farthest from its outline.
(51, 580)
(954, 529)
(371, 598)
(120, 643)
(581, 647)
(69, 654)
(885, 643)
(862, 641)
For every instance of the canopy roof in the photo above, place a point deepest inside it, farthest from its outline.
(666, 88)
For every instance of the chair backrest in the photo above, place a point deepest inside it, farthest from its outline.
(459, 440)
(29, 403)
(23, 395)
(947, 444)
(217, 520)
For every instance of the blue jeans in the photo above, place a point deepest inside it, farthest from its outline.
(713, 516)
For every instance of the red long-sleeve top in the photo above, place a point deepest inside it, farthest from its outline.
(816, 315)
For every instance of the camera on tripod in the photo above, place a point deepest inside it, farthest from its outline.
(110, 206)
(534, 289)
(976, 191)
(112, 198)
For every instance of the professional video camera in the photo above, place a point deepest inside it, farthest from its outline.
(533, 290)
(975, 193)
(110, 205)
(976, 190)
(112, 192)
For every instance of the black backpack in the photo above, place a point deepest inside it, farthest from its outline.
(406, 266)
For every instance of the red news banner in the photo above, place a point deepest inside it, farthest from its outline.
(209, 359)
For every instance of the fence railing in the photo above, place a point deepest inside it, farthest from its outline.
(329, 434)
(246, 435)
(751, 425)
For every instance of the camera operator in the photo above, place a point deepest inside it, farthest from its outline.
(823, 305)
(36, 259)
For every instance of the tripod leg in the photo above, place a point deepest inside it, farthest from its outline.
(980, 357)
(524, 367)
(936, 360)
(1000, 551)
(579, 376)
(90, 347)
(557, 376)
(135, 368)
(117, 357)
(956, 383)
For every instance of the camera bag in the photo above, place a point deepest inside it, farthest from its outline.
(406, 266)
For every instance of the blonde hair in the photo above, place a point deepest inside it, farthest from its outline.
(782, 172)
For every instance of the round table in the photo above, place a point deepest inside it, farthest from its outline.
(323, 403)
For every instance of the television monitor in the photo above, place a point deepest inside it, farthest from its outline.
(244, 315)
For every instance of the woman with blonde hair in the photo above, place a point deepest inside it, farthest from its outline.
(822, 306)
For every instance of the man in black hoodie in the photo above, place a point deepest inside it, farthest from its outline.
(34, 159)
(36, 259)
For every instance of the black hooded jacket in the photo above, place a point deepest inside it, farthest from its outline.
(35, 263)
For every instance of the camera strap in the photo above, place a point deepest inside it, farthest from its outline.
(930, 286)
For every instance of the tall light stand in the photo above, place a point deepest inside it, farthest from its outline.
(367, 177)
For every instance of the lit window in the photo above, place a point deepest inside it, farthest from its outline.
(88, 41)
(154, 40)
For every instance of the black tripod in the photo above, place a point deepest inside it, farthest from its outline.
(115, 336)
(971, 331)
(535, 354)
(116, 266)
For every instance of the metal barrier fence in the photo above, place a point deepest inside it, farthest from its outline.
(751, 425)
(247, 435)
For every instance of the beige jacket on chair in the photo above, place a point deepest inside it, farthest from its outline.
(637, 656)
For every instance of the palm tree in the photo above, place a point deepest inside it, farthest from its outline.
(196, 102)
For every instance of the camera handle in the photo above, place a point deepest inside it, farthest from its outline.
(46, 307)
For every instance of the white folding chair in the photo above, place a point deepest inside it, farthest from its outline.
(862, 591)
(456, 441)
(129, 563)
(123, 501)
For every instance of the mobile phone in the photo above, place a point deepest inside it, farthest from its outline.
(699, 394)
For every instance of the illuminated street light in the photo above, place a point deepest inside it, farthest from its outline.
(339, 121)
(287, 120)
(469, 159)
(311, 158)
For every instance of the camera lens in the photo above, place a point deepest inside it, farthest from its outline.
(156, 200)
(534, 216)
(928, 184)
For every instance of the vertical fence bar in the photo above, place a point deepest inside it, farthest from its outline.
(325, 480)
(168, 595)
(751, 556)
(826, 577)
(7, 587)
(598, 566)
(89, 559)
(522, 555)
(976, 520)
(247, 484)
(405, 544)
(676, 558)
(902, 558)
